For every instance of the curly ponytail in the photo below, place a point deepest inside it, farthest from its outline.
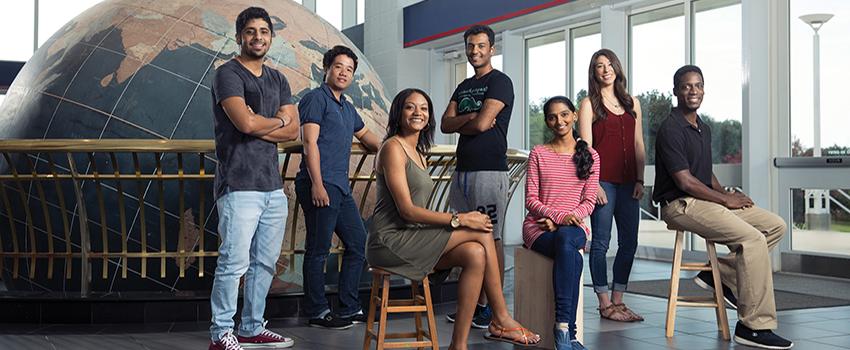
(582, 158)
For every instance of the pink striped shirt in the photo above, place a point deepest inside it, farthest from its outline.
(553, 190)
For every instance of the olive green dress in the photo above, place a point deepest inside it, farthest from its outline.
(406, 249)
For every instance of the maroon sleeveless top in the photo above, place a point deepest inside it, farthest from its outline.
(614, 140)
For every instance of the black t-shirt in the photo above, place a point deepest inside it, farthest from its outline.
(678, 146)
(485, 151)
(245, 162)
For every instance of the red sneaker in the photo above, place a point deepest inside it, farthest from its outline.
(228, 341)
(266, 339)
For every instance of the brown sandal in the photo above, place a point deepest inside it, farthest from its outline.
(524, 340)
(613, 313)
(633, 316)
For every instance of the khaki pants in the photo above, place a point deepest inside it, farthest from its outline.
(749, 233)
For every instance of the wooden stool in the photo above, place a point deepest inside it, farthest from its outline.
(417, 305)
(675, 300)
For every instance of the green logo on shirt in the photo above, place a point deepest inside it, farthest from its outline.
(467, 105)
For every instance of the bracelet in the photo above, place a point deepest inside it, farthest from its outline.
(640, 181)
(282, 123)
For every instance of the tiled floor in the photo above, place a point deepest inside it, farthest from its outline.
(816, 329)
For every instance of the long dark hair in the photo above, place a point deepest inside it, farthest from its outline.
(594, 90)
(582, 157)
(426, 136)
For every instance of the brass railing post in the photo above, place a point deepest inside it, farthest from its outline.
(85, 245)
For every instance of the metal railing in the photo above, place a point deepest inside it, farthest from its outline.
(70, 201)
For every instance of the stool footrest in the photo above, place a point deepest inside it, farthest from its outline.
(406, 335)
(711, 304)
(695, 267)
(406, 345)
(401, 309)
(695, 298)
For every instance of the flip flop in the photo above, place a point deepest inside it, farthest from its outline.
(501, 337)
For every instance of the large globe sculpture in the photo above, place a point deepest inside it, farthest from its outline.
(142, 69)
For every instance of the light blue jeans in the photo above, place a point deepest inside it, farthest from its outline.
(251, 225)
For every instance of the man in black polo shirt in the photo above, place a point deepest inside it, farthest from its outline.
(693, 199)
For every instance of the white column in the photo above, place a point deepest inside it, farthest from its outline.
(765, 109)
(440, 87)
(615, 32)
(513, 64)
(349, 13)
(309, 4)
(398, 67)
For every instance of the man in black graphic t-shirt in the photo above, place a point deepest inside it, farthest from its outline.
(480, 111)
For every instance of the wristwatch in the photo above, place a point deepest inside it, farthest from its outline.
(455, 220)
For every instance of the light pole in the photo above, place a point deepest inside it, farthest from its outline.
(816, 21)
(817, 206)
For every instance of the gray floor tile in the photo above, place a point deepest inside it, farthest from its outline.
(840, 341)
(24, 342)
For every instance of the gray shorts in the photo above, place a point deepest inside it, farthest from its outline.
(484, 191)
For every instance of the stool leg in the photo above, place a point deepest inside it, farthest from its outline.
(370, 316)
(417, 316)
(722, 320)
(674, 284)
(432, 324)
(385, 298)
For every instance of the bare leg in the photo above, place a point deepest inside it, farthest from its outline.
(617, 297)
(500, 254)
(604, 300)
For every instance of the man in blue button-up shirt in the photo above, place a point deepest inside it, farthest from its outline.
(328, 122)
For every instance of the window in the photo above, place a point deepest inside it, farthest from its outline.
(820, 220)
(584, 42)
(834, 48)
(657, 49)
(546, 73)
(17, 20)
(361, 11)
(717, 51)
(53, 14)
(331, 11)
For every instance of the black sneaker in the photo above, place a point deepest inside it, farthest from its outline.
(359, 317)
(330, 321)
(764, 339)
(706, 281)
(476, 316)
(482, 317)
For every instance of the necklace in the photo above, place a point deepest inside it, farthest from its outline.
(613, 104)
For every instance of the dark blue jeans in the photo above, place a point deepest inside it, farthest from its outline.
(342, 217)
(563, 247)
(626, 210)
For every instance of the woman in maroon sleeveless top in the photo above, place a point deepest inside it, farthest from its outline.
(610, 120)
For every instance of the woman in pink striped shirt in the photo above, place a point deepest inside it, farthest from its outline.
(560, 191)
